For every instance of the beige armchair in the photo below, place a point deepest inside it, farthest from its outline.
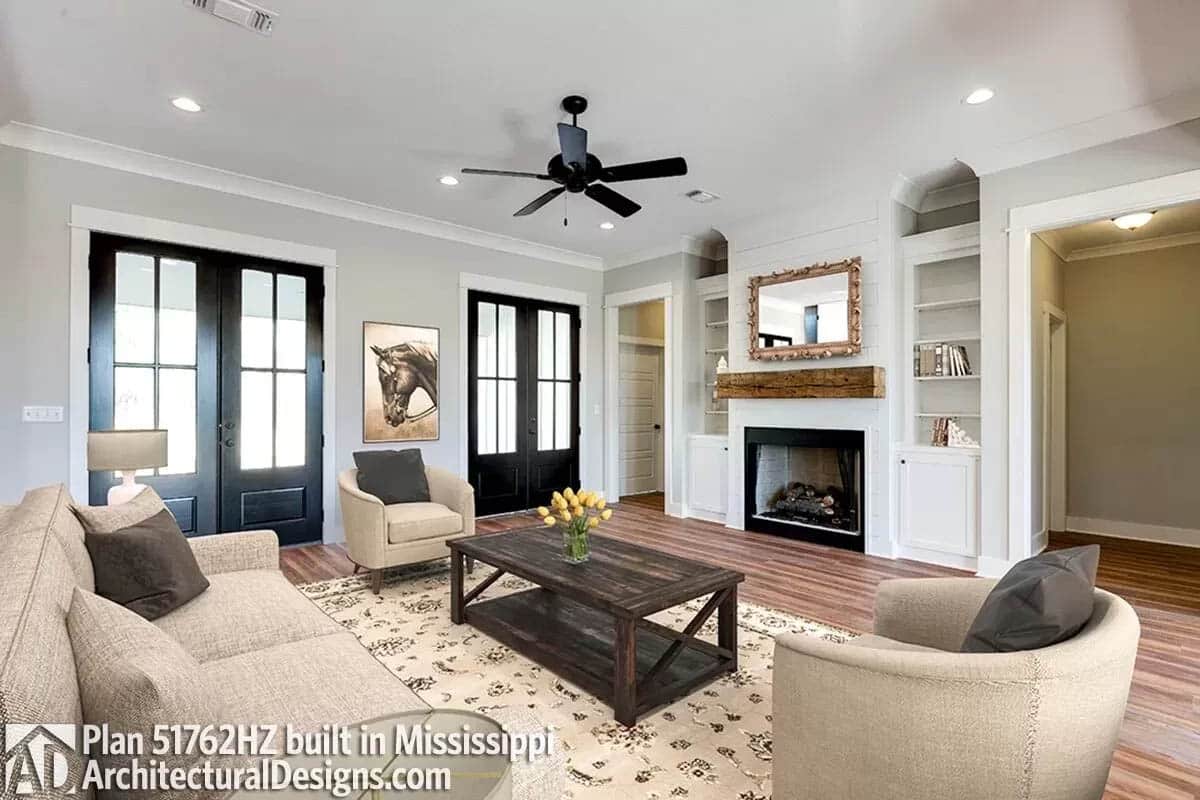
(900, 714)
(379, 536)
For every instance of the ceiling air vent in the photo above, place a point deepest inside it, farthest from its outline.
(247, 15)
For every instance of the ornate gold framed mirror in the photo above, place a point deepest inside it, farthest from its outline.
(810, 312)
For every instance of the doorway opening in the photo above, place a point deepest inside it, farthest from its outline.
(641, 388)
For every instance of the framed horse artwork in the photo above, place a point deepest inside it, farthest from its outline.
(400, 383)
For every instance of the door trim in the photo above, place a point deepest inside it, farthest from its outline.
(469, 281)
(672, 390)
(85, 220)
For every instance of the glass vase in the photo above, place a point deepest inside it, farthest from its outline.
(576, 547)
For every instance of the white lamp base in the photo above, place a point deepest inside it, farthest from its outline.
(126, 490)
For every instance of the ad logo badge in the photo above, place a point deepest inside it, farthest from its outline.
(37, 758)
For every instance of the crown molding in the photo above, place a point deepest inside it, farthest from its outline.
(105, 154)
(1138, 246)
(1162, 113)
(950, 196)
(907, 193)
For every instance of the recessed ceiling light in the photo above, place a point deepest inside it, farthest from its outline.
(606, 226)
(980, 95)
(448, 180)
(1130, 222)
(701, 196)
(186, 104)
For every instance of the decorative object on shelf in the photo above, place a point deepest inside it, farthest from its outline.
(126, 452)
(722, 365)
(400, 383)
(948, 433)
(811, 312)
(575, 514)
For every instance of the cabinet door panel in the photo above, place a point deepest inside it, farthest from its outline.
(938, 502)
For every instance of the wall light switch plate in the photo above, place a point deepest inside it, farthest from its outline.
(42, 414)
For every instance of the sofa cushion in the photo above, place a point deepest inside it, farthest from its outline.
(875, 642)
(394, 476)
(53, 505)
(307, 683)
(1041, 601)
(243, 611)
(148, 567)
(411, 522)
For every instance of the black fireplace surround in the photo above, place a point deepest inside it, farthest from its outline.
(806, 483)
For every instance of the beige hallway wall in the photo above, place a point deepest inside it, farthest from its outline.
(1133, 388)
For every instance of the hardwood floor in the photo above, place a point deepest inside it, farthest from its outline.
(1159, 753)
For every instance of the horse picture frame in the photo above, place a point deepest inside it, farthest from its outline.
(400, 383)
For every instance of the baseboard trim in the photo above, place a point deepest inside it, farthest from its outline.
(1040, 540)
(1137, 531)
(989, 567)
(926, 556)
(706, 516)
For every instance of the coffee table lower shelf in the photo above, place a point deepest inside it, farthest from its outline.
(580, 643)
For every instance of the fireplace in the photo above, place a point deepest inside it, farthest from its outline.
(806, 483)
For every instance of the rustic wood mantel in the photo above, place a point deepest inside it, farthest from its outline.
(830, 382)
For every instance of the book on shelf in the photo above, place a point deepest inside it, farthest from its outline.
(940, 359)
(948, 433)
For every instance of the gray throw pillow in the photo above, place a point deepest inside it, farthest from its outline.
(394, 476)
(1041, 601)
(148, 567)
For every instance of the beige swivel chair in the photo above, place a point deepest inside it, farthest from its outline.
(901, 714)
(379, 536)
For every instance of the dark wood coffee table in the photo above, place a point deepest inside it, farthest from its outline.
(587, 622)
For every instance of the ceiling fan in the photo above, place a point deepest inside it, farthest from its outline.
(576, 170)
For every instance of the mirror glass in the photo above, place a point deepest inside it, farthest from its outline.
(810, 311)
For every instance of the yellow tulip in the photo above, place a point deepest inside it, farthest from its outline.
(549, 520)
(594, 522)
(578, 511)
(606, 514)
(543, 511)
(566, 515)
(569, 494)
(591, 501)
(585, 495)
(601, 503)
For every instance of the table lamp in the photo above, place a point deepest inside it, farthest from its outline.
(126, 452)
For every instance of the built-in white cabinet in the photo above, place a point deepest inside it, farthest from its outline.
(939, 504)
(708, 476)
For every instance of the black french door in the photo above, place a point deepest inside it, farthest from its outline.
(522, 400)
(224, 352)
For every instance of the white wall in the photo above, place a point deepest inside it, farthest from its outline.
(383, 274)
(854, 227)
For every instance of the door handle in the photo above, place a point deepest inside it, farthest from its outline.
(229, 442)
(657, 427)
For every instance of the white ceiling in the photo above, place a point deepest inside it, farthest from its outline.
(774, 104)
(1175, 224)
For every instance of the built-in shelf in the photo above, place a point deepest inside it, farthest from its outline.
(717, 350)
(721, 323)
(943, 305)
(962, 414)
(716, 413)
(947, 377)
(951, 337)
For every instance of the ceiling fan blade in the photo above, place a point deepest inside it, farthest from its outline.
(641, 170)
(541, 201)
(573, 142)
(505, 172)
(612, 200)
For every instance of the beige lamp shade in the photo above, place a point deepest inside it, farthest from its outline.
(126, 450)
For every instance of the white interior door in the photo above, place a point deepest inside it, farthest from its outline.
(640, 399)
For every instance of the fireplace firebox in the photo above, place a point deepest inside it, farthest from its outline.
(806, 483)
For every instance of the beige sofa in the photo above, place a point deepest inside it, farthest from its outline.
(895, 715)
(267, 652)
(379, 536)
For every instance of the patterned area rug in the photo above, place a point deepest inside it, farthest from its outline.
(714, 744)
